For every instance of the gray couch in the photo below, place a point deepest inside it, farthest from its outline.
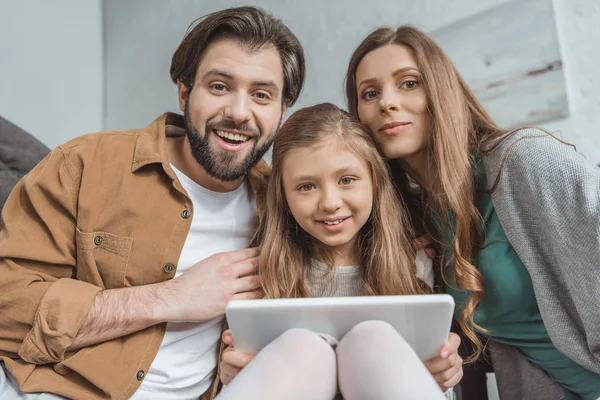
(19, 153)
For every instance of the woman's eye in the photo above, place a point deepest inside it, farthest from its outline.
(370, 95)
(347, 180)
(409, 84)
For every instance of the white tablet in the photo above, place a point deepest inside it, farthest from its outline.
(422, 320)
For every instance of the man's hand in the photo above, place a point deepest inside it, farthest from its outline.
(233, 361)
(203, 291)
(198, 295)
(447, 368)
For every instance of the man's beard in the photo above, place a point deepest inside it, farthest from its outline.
(223, 166)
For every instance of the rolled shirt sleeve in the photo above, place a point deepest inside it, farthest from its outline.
(42, 306)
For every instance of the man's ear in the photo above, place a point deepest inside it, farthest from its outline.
(182, 95)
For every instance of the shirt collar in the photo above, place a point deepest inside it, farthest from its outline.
(151, 148)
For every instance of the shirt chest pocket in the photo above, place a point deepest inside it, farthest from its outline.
(102, 258)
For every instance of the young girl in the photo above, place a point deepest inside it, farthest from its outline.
(334, 227)
(515, 212)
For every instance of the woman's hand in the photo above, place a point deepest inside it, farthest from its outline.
(425, 243)
(233, 361)
(447, 368)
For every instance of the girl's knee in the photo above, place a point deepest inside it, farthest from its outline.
(372, 335)
(372, 331)
(303, 344)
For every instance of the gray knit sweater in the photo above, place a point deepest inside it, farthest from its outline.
(343, 281)
(548, 202)
(347, 281)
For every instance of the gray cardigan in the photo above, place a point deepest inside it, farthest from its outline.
(548, 202)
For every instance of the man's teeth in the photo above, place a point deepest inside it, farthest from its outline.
(333, 222)
(232, 136)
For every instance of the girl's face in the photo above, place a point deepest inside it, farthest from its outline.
(330, 193)
(392, 101)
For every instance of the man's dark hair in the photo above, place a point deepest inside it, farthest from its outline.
(253, 28)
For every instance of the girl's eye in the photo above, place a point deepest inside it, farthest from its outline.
(307, 187)
(347, 180)
(369, 95)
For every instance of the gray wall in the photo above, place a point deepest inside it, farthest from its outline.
(58, 69)
(51, 67)
(141, 35)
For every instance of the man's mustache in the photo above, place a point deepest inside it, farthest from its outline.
(230, 124)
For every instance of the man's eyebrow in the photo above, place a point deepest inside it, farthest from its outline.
(269, 84)
(217, 72)
(227, 75)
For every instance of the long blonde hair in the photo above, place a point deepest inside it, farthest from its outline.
(385, 252)
(459, 128)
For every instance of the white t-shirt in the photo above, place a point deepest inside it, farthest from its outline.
(188, 355)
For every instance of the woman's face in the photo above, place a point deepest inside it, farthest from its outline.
(392, 101)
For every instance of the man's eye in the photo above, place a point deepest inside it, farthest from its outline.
(262, 95)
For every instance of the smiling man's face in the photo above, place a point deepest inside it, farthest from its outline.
(234, 108)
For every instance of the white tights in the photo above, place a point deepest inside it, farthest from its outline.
(371, 362)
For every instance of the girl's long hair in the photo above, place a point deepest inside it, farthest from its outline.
(385, 252)
(460, 127)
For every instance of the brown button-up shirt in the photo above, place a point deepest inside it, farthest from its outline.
(103, 211)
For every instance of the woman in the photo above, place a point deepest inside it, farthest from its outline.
(516, 213)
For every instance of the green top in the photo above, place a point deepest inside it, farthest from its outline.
(509, 308)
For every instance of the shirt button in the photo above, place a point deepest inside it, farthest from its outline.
(186, 214)
(169, 268)
(98, 240)
(140, 375)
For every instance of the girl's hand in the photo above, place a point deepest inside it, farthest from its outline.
(233, 361)
(447, 368)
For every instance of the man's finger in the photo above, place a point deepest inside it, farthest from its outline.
(235, 256)
(254, 295)
(245, 267)
(248, 283)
